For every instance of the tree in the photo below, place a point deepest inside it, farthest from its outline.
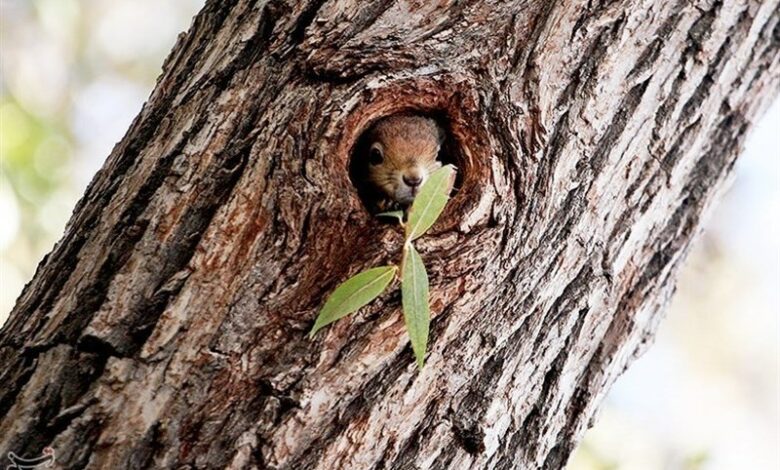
(167, 329)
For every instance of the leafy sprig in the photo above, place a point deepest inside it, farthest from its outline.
(365, 286)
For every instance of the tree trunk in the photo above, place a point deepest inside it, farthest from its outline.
(167, 329)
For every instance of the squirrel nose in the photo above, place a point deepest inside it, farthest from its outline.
(413, 180)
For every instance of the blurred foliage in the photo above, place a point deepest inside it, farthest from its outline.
(75, 73)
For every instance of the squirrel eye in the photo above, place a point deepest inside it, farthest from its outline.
(375, 157)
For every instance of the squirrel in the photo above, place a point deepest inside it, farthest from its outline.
(402, 153)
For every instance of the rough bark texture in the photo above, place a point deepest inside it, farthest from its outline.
(168, 327)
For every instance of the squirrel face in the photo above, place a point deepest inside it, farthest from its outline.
(403, 154)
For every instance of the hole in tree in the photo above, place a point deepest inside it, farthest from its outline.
(362, 157)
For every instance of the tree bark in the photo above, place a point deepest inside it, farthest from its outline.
(167, 329)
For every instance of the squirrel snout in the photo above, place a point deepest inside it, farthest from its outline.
(412, 180)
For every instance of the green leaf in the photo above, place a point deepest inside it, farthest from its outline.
(414, 296)
(393, 214)
(354, 293)
(430, 202)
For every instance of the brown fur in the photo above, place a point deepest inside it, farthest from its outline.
(409, 146)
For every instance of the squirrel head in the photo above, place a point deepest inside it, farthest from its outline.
(402, 154)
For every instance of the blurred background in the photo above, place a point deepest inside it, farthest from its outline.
(76, 72)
